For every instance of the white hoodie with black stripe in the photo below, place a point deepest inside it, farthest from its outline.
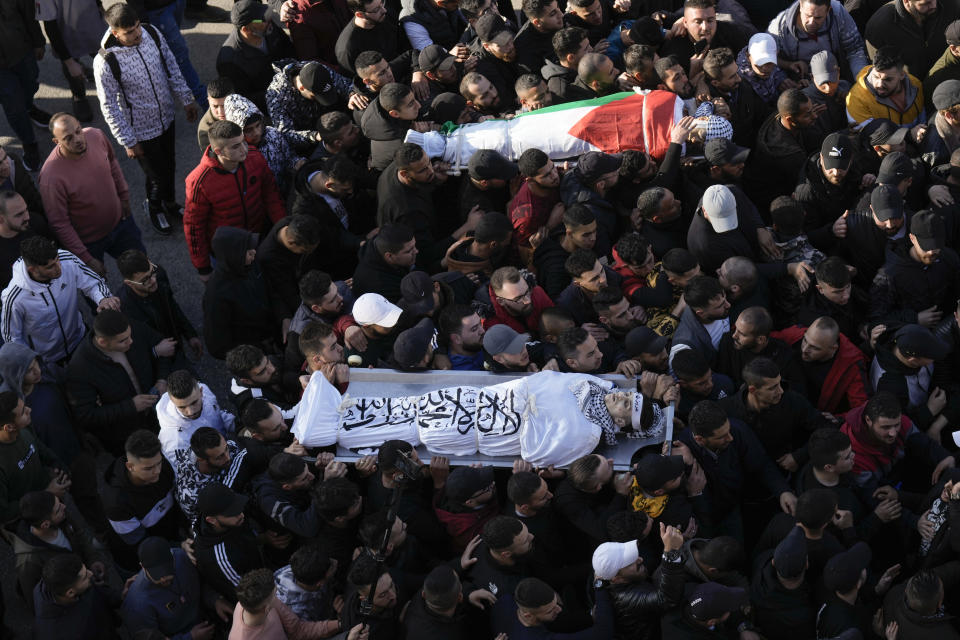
(45, 316)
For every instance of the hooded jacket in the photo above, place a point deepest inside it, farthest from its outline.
(558, 78)
(247, 198)
(173, 609)
(778, 612)
(875, 463)
(842, 37)
(101, 392)
(91, 617)
(32, 553)
(275, 146)
(863, 104)
(375, 275)
(250, 68)
(46, 316)
(236, 306)
(291, 112)
(844, 385)
(143, 104)
(158, 310)
(549, 260)
(136, 512)
(384, 131)
(939, 626)
(175, 430)
(904, 286)
(911, 385)
(337, 252)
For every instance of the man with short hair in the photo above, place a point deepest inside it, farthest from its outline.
(45, 277)
(255, 375)
(596, 77)
(138, 80)
(747, 109)
(211, 459)
(372, 28)
(570, 44)
(885, 90)
(701, 25)
(231, 187)
(85, 195)
(16, 225)
(532, 93)
(138, 498)
(338, 133)
(697, 381)
(116, 376)
(483, 96)
(283, 493)
(251, 48)
(68, 599)
(588, 496)
(461, 332)
(534, 604)
(596, 17)
(590, 184)
(515, 301)
(319, 351)
(386, 121)
(536, 205)
(915, 27)
(750, 337)
(705, 319)
(534, 41)
(588, 277)
(373, 74)
(385, 260)
(809, 26)
(321, 301)
(185, 407)
(832, 296)
(281, 255)
(551, 252)
(833, 367)
(217, 91)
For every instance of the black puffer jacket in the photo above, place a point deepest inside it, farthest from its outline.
(236, 307)
(638, 606)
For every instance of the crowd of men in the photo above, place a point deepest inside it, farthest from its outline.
(790, 264)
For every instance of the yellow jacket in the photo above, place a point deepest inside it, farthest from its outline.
(863, 105)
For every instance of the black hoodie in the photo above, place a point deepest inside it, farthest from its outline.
(558, 78)
(374, 275)
(778, 612)
(384, 131)
(236, 307)
(904, 286)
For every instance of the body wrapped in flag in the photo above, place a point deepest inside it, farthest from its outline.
(641, 120)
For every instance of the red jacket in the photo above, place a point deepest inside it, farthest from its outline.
(530, 324)
(843, 388)
(631, 281)
(247, 199)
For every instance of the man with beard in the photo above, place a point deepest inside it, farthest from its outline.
(185, 407)
(885, 90)
(705, 319)
(750, 338)
(589, 276)
(869, 232)
(320, 351)
(17, 224)
(497, 55)
(551, 252)
(724, 164)
(532, 93)
(321, 300)
(570, 44)
(618, 317)
(649, 349)
(596, 77)
(829, 188)
(531, 501)
(673, 77)
(254, 376)
(659, 217)
(702, 32)
(85, 195)
(747, 109)
(886, 443)
(920, 280)
(833, 368)
(461, 331)
(621, 572)
(578, 351)
(536, 205)
(515, 301)
(481, 94)
(211, 459)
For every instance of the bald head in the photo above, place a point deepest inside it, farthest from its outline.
(68, 135)
(738, 276)
(597, 71)
(821, 341)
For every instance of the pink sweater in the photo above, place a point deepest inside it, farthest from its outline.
(82, 196)
(281, 624)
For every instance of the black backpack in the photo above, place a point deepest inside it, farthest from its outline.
(111, 60)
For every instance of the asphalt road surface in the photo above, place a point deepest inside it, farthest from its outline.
(204, 40)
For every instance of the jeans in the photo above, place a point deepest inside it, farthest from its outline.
(17, 86)
(167, 21)
(126, 235)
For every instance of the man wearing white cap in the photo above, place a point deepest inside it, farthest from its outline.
(378, 319)
(758, 66)
(725, 79)
(809, 26)
(638, 604)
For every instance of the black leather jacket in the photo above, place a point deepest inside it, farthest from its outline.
(638, 606)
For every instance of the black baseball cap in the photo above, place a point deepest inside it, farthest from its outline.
(246, 11)
(487, 164)
(882, 131)
(654, 470)
(644, 340)
(836, 151)
(843, 571)
(886, 202)
(593, 165)
(156, 558)
(915, 341)
(489, 26)
(720, 151)
(646, 30)
(318, 79)
(447, 107)
(416, 291)
(712, 600)
(412, 344)
(790, 556)
(929, 230)
(434, 57)
(894, 168)
(216, 499)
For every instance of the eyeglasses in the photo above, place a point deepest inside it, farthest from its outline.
(524, 297)
(145, 281)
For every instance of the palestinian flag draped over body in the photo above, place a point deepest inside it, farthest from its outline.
(614, 123)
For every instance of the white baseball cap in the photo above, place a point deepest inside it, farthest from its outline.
(610, 557)
(720, 208)
(373, 308)
(762, 49)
